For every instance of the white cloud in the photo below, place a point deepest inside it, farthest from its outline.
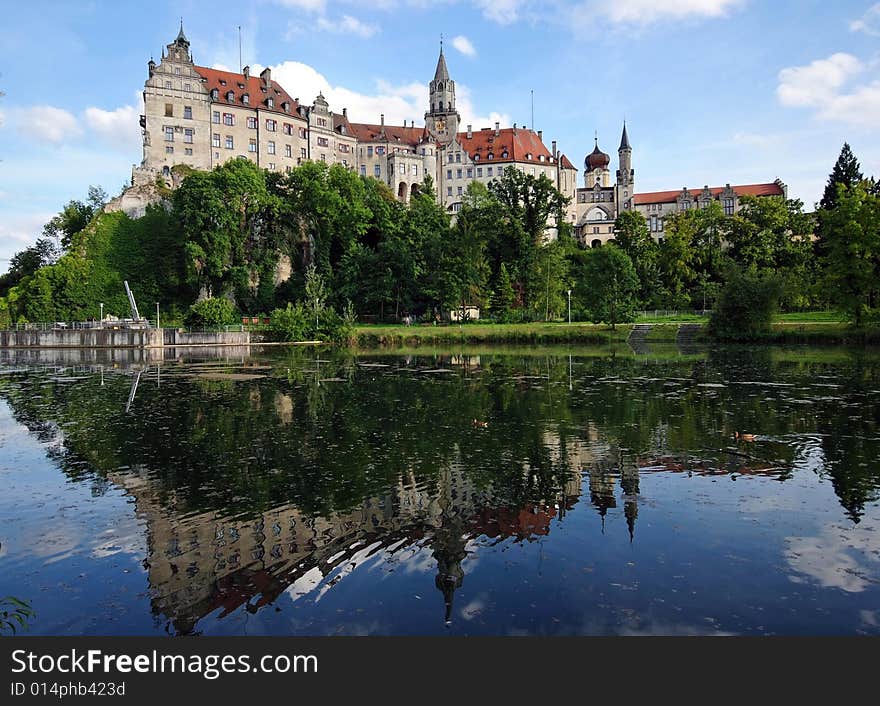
(869, 23)
(464, 45)
(503, 12)
(398, 102)
(839, 557)
(18, 231)
(119, 127)
(46, 122)
(348, 25)
(308, 5)
(647, 11)
(822, 85)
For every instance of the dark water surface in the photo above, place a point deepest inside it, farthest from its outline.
(489, 492)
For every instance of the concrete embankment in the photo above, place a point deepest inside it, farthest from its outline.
(120, 338)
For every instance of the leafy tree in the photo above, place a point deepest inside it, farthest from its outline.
(315, 291)
(613, 285)
(746, 305)
(211, 312)
(631, 235)
(532, 201)
(503, 295)
(26, 262)
(852, 232)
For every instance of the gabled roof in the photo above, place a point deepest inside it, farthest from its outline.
(566, 163)
(772, 189)
(254, 86)
(518, 143)
(393, 134)
(340, 121)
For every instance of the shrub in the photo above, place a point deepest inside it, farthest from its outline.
(214, 311)
(292, 323)
(746, 306)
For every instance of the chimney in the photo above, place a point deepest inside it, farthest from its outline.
(470, 132)
(541, 135)
(246, 71)
(553, 148)
(345, 112)
(497, 130)
(514, 128)
(266, 75)
(382, 119)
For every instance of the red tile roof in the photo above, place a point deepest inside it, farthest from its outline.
(772, 189)
(254, 86)
(566, 163)
(517, 143)
(394, 134)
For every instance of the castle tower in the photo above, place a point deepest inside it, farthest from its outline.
(442, 118)
(596, 168)
(626, 176)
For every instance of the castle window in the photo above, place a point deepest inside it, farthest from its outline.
(728, 207)
(177, 70)
(490, 156)
(504, 154)
(377, 170)
(458, 173)
(187, 112)
(344, 148)
(271, 165)
(252, 123)
(215, 140)
(169, 110)
(323, 142)
(285, 106)
(500, 170)
(188, 135)
(271, 125)
(470, 173)
(168, 84)
(169, 134)
(228, 119)
(246, 99)
(187, 87)
(380, 150)
(288, 151)
(252, 145)
(215, 94)
(363, 170)
(457, 157)
(270, 148)
(414, 168)
(449, 174)
(287, 129)
(270, 102)
(215, 117)
(188, 151)
(302, 152)
(230, 144)
(449, 191)
(479, 171)
(402, 169)
(169, 149)
(302, 132)
(230, 96)
(369, 151)
(441, 105)
(460, 190)
(488, 171)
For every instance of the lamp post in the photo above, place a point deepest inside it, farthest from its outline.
(157, 314)
(569, 306)
(102, 314)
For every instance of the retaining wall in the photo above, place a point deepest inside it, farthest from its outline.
(119, 338)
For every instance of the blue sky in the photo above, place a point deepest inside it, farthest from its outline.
(714, 91)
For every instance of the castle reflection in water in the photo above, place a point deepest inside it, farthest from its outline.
(210, 563)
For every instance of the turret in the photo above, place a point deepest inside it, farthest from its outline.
(442, 119)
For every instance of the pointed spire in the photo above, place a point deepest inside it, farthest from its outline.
(442, 73)
(181, 37)
(624, 140)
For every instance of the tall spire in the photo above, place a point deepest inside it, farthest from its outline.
(442, 73)
(624, 140)
(181, 37)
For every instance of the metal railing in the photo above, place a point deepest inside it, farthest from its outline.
(79, 325)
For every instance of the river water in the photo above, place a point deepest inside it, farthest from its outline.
(487, 491)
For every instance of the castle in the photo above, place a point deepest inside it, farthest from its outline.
(202, 117)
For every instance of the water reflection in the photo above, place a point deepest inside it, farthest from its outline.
(280, 478)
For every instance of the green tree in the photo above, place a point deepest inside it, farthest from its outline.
(846, 171)
(613, 285)
(852, 232)
(746, 305)
(631, 235)
(211, 312)
(502, 295)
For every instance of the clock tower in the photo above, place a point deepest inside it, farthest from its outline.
(442, 118)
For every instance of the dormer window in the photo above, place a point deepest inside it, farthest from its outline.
(490, 156)
(541, 158)
(230, 96)
(246, 99)
(504, 154)
(270, 102)
(476, 158)
(215, 94)
(222, 81)
(241, 85)
(529, 155)
(285, 106)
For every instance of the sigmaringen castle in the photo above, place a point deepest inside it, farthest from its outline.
(202, 117)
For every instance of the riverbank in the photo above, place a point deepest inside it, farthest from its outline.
(790, 329)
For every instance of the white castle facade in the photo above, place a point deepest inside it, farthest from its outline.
(202, 117)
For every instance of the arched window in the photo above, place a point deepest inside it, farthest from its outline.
(230, 96)
(441, 105)
(596, 244)
(246, 99)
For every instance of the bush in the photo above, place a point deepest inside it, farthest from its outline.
(211, 312)
(746, 306)
(297, 323)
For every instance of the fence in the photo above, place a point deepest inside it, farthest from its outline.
(79, 325)
(671, 313)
